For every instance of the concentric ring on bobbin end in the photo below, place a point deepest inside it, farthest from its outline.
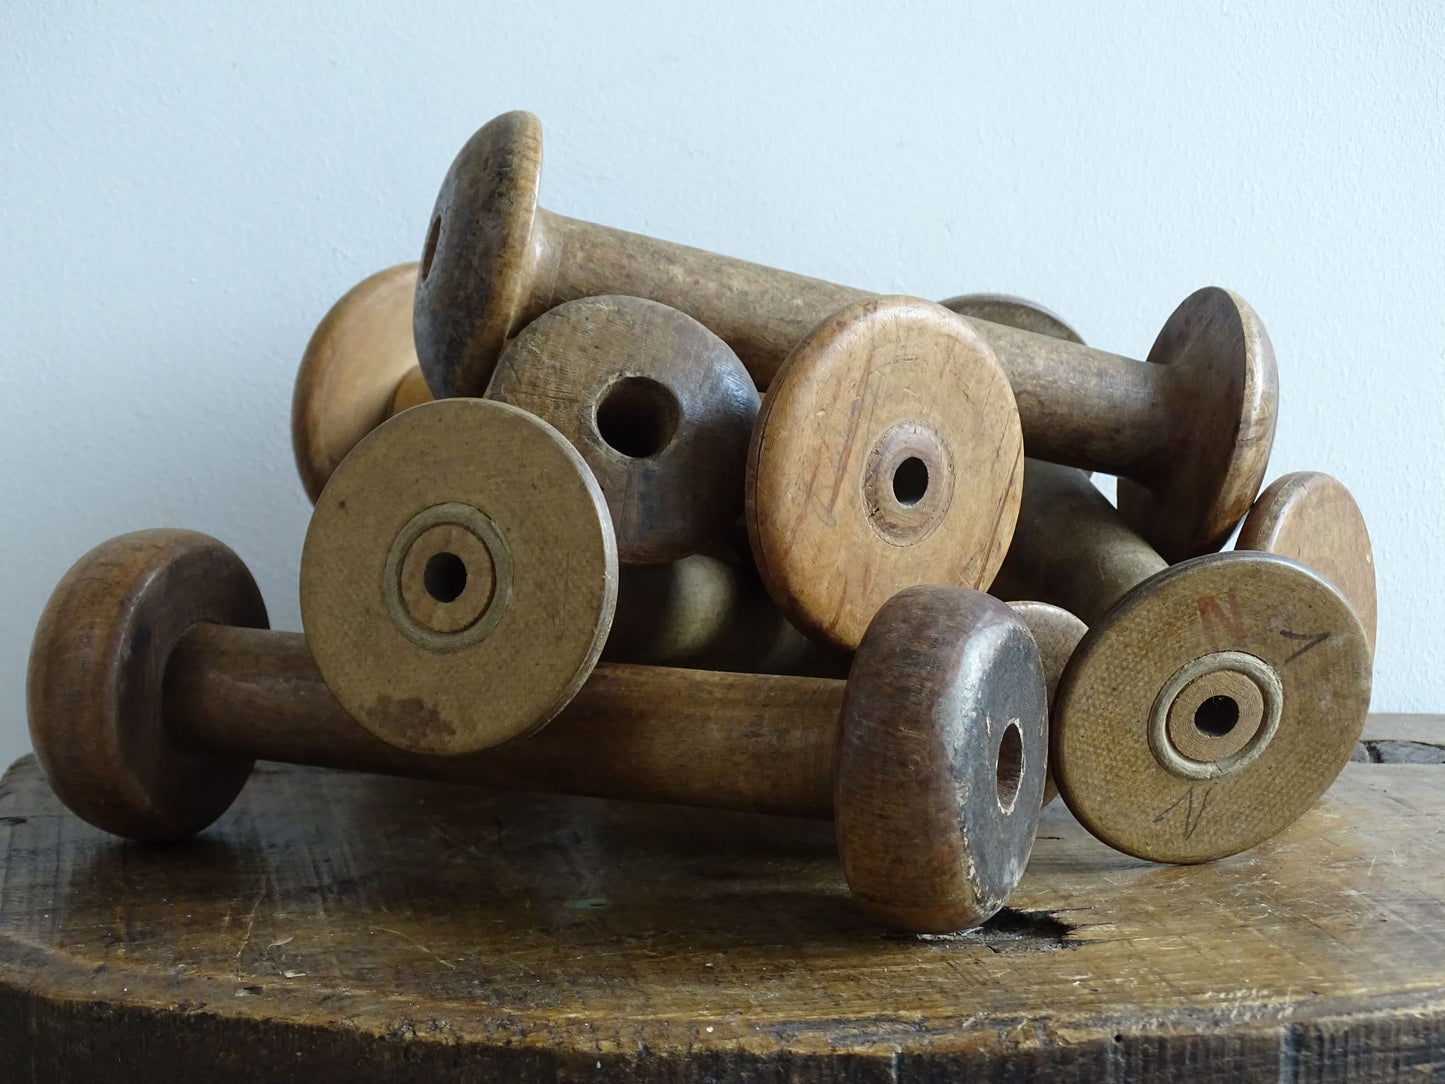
(1211, 707)
(347, 382)
(661, 409)
(475, 268)
(887, 454)
(1221, 416)
(459, 577)
(941, 755)
(96, 679)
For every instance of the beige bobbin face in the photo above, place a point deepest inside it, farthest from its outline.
(459, 577)
(887, 454)
(1210, 708)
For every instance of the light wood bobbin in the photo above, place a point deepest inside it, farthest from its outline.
(1312, 518)
(359, 368)
(658, 406)
(459, 576)
(930, 758)
(1210, 703)
(1191, 431)
(887, 454)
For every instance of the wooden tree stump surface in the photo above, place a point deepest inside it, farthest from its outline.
(347, 927)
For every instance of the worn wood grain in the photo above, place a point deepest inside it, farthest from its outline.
(887, 454)
(349, 927)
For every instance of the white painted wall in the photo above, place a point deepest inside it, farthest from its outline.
(183, 196)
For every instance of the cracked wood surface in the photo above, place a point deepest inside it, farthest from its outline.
(348, 927)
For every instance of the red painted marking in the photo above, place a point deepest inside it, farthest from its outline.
(1218, 622)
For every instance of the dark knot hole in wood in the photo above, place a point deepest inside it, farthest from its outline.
(1009, 772)
(638, 416)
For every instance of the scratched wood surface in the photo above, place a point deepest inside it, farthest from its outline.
(346, 927)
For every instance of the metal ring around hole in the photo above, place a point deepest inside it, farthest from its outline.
(1251, 666)
(476, 521)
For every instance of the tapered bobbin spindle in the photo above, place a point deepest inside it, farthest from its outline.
(930, 758)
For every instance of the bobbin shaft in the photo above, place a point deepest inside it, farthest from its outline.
(1071, 547)
(717, 740)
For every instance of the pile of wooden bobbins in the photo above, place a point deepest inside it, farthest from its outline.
(772, 507)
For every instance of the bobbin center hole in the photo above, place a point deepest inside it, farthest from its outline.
(638, 416)
(910, 481)
(1009, 771)
(445, 576)
(1216, 716)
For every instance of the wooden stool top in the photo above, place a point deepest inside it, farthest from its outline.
(346, 927)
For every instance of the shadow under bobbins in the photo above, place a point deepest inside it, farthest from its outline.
(461, 555)
(658, 407)
(1210, 703)
(1190, 431)
(930, 758)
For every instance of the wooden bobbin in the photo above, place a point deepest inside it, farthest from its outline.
(930, 758)
(1312, 518)
(1057, 632)
(459, 576)
(359, 362)
(887, 454)
(657, 405)
(1191, 431)
(1210, 703)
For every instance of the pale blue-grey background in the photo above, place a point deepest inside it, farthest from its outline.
(182, 196)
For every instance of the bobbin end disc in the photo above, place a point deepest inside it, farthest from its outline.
(476, 261)
(1312, 518)
(1057, 632)
(349, 376)
(887, 454)
(941, 753)
(1210, 707)
(1225, 392)
(1012, 311)
(95, 686)
(459, 577)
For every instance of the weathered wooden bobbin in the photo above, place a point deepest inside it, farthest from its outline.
(658, 406)
(1210, 703)
(148, 704)
(1191, 431)
(359, 368)
(461, 555)
(887, 454)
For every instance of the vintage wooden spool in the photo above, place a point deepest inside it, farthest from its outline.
(887, 454)
(658, 407)
(1210, 703)
(460, 555)
(1191, 431)
(359, 368)
(148, 704)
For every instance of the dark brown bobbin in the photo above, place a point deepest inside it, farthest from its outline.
(359, 360)
(933, 750)
(1193, 430)
(1188, 434)
(1311, 518)
(887, 454)
(657, 404)
(459, 576)
(1210, 703)
(94, 687)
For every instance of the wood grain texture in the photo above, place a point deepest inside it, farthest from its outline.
(338, 927)
(657, 406)
(1311, 518)
(887, 454)
(356, 372)
(412, 656)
